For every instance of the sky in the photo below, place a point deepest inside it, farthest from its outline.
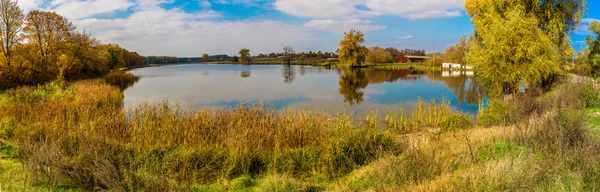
(191, 28)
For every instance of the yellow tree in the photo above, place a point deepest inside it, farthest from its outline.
(519, 40)
(11, 21)
(205, 57)
(378, 55)
(49, 33)
(351, 51)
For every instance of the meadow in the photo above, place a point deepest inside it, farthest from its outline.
(78, 137)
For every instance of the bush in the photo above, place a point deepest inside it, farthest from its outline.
(456, 122)
(590, 96)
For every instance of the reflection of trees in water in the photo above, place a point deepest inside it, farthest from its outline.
(379, 76)
(465, 88)
(352, 84)
(245, 74)
(353, 81)
(288, 74)
(124, 83)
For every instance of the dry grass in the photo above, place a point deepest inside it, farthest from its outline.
(81, 136)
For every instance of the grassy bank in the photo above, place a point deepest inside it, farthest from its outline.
(402, 66)
(78, 137)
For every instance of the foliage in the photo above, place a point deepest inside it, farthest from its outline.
(351, 51)
(588, 60)
(235, 59)
(456, 122)
(456, 53)
(161, 60)
(512, 48)
(245, 55)
(378, 55)
(205, 57)
(47, 48)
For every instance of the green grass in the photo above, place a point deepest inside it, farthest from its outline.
(593, 119)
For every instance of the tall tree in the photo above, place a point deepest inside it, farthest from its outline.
(520, 40)
(288, 54)
(245, 55)
(205, 57)
(351, 51)
(49, 32)
(11, 22)
(591, 55)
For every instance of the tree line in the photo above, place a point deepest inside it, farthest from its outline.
(43, 46)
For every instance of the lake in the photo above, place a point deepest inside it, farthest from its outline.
(301, 87)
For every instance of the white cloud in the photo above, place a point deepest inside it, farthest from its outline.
(328, 9)
(583, 27)
(157, 31)
(340, 26)
(338, 9)
(205, 4)
(407, 37)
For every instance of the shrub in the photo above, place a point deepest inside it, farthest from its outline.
(590, 96)
(456, 122)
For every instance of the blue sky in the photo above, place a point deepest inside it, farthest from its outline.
(190, 28)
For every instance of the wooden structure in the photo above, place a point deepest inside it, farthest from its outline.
(410, 59)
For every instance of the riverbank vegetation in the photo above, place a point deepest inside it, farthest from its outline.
(59, 132)
(43, 46)
(79, 136)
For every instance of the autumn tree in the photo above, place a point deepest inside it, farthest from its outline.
(378, 55)
(520, 41)
(245, 55)
(456, 53)
(11, 21)
(49, 33)
(351, 51)
(205, 57)
(588, 60)
(288, 54)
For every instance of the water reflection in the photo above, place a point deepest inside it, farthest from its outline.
(288, 74)
(246, 73)
(301, 87)
(352, 82)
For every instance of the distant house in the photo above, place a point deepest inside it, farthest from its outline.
(456, 66)
(468, 67)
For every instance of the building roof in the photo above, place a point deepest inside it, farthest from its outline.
(416, 57)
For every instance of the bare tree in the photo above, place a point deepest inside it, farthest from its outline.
(288, 54)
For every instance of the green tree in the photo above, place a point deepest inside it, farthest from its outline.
(351, 51)
(245, 55)
(378, 55)
(588, 60)
(456, 53)
(520, 41)
(11, 21)
(235, 59)
(205, 57)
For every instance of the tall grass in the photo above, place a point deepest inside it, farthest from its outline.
(87, 140)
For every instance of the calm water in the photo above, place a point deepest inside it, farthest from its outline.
(300, 87)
